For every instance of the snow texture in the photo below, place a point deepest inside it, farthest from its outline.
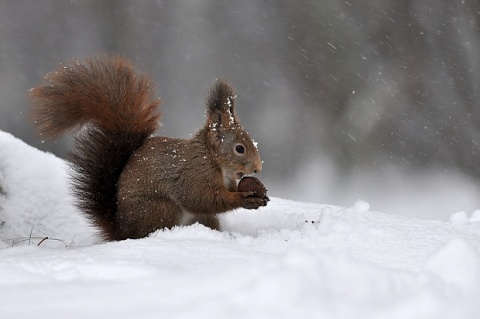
(288, 260)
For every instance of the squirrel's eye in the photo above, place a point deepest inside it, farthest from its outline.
(240, 149)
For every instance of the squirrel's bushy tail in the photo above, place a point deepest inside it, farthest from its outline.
(119, 112)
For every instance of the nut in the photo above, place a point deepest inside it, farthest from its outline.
(252, 184)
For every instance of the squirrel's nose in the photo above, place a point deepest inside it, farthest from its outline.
(257, 168)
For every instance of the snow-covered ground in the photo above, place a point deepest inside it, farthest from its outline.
(288, 260)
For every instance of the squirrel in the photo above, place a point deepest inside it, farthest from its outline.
(129, 182)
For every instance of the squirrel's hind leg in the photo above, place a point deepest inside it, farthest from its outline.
(143, 215)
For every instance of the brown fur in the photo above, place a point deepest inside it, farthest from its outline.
(127, 183)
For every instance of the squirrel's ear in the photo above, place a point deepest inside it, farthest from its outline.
(221, 106)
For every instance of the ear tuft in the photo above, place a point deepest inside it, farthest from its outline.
(221, 106)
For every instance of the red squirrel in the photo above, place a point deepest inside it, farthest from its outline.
(128, 182)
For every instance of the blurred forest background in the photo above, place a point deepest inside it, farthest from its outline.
(375, 100)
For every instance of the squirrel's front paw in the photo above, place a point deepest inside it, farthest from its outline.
(251, 200)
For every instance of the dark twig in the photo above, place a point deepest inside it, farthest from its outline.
(41, 241)
(16, 241)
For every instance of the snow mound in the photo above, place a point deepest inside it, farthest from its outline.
(287, 260)
(34, 197)
(456, 263)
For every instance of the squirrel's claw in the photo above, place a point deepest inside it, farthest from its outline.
(252, 201)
